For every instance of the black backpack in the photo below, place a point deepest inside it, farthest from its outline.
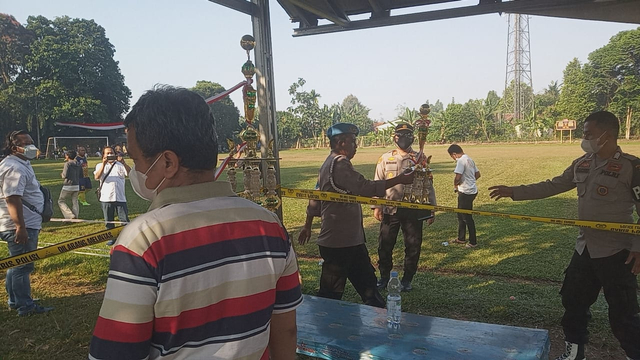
(47, 210)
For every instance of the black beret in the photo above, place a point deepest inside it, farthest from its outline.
(342, 128)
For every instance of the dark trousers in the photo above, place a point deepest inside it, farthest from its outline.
(465, 201)
(351, 263)
(406, 220)
(582, 283)
(109, 210)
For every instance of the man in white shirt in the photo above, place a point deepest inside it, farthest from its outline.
(464, 184)
(111, 174)
(19, 225)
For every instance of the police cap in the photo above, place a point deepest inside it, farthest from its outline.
(404, 127)
(342, 128)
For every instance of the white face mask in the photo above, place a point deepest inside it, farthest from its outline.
(139, 180)
(30, 151)
(591, 146)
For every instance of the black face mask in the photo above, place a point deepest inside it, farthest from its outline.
(404, 142)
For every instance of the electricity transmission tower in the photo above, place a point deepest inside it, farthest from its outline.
(518, 85)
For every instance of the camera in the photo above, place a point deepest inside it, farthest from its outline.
(111, 157)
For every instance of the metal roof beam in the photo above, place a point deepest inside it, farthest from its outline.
(336, 9)
(299, 15)
(625, 12)
(335, 18)
(522, 7)
(243, 6)
(378, 10)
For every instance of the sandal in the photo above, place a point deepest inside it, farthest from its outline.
(458, 241)
(470, 245)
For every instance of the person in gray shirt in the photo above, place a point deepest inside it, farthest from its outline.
(608, 186)
(342, 241)
(71, 173)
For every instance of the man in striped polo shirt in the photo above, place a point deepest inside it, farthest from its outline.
(204, 273)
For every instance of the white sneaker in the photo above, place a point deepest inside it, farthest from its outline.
(573, 352)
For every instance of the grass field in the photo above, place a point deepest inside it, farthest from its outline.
(525, 260)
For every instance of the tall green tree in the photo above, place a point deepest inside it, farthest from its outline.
(305, 107)
(408, 115)
(546, 105)
(353, 111)
(614, 70)
(15, 40)
(576, 99)
(73, 73)
(289, 130)
(58, 70)
(224, 111)
(485, 113)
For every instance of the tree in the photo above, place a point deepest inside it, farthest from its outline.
(15, 111)
(614, 70)
(407, 115)
(72, 69)
(307, 111)
(486, 112)
(225, 112)
(289, 131)
(507, 98)
(67, 74)
(352, 111)
(14, 46)
(546, 105)
(576, 99)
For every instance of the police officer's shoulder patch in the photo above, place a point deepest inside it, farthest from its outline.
(635, 180)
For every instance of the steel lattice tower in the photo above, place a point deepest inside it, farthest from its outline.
(518, 100)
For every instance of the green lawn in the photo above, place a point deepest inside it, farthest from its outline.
(525, 260)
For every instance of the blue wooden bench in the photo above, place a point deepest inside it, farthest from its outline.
(331, 329)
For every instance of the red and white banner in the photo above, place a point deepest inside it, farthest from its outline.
(88, 126)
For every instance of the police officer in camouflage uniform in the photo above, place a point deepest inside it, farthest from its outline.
(608, 187)
(392, 219)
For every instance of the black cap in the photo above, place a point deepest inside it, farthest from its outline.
(342, 128)
(404, 127)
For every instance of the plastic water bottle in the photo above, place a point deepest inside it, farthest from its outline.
(394, 307)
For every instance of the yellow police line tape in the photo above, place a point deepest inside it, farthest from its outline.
(331, 196)
(60, 248)
(110, 234)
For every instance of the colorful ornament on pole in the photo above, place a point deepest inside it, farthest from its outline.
(422, 125)
(248, 160)
(248, 43)
(249, 99)
(418, 192)
(248, 70)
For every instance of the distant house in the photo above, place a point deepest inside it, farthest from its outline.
(382, 126)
